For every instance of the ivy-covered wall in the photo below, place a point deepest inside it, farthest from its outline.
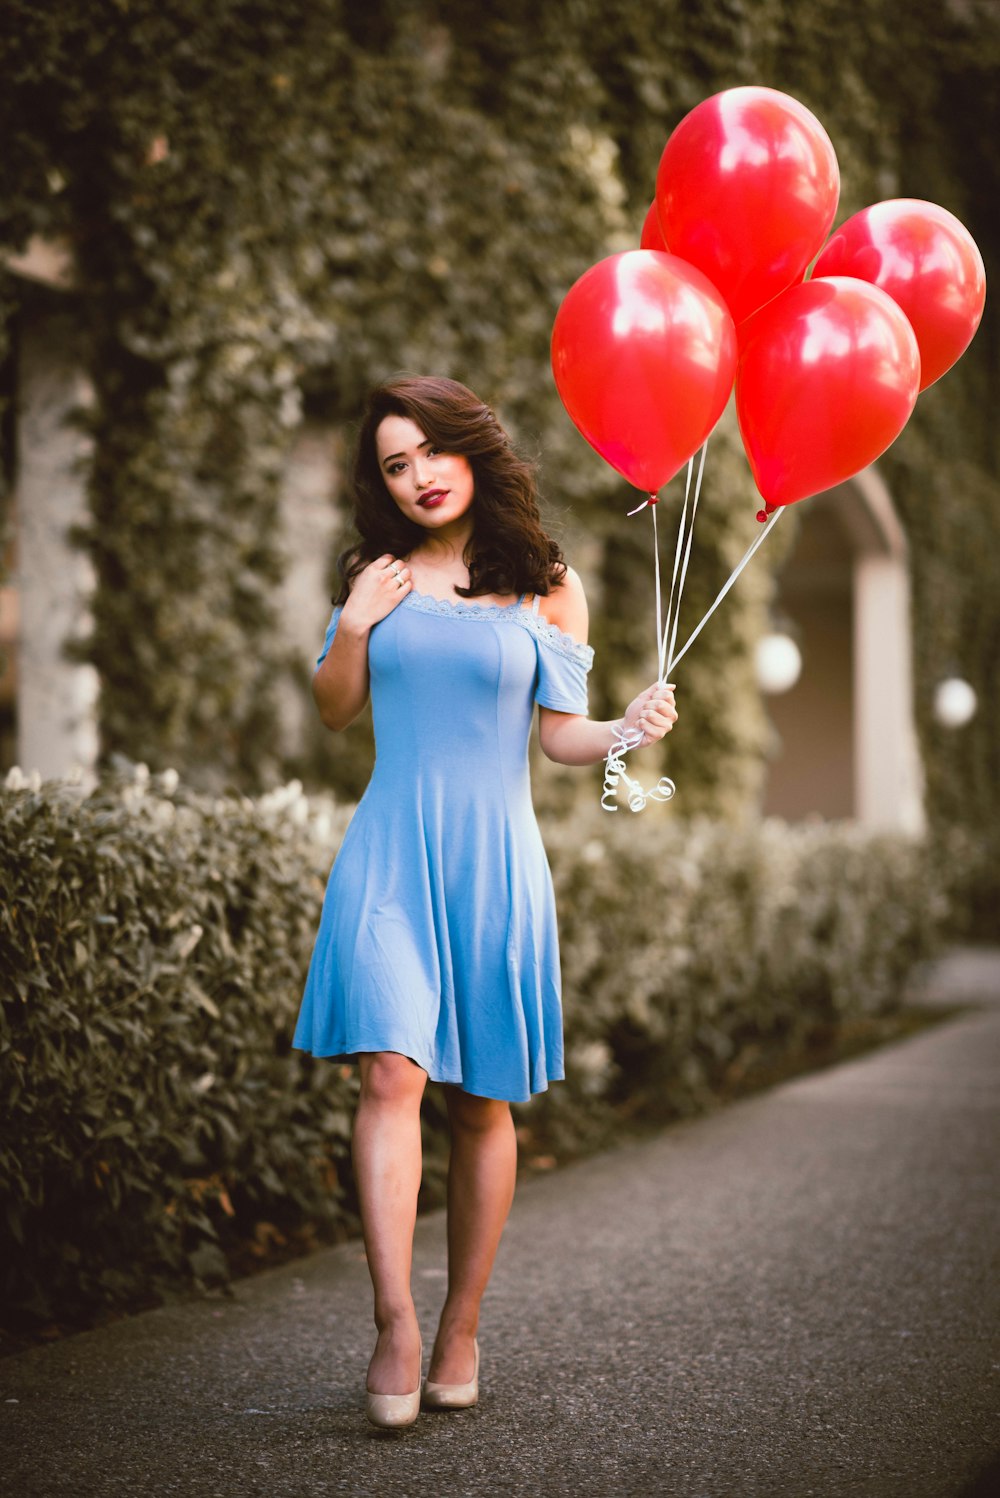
(271, 207)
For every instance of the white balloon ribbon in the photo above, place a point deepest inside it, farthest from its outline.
(614, 770)
(758, 541)
(666, 637)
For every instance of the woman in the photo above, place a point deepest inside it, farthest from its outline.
(437, 951)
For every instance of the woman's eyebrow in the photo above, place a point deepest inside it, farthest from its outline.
(426, 443)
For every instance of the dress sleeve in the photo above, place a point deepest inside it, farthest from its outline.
(563, 664)
(331, 630)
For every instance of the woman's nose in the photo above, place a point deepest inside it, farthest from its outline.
(421, 473)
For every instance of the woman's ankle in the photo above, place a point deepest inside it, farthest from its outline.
(395, 1318)
(458, 1321)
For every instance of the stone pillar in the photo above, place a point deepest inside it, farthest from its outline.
(56, 704)
(888, 772)
(310, 518)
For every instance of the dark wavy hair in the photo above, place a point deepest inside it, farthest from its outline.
(509, 551)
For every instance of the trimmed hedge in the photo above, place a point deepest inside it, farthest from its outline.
(688, 952)
(154, 945)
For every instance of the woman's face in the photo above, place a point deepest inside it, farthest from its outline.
(432, 487)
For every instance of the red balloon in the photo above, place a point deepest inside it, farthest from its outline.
(825, 383)
(747, 190)
(927, 261)
(644, 353)
(652, 234)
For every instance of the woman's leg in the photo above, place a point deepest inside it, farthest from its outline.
(387, 1168)
(481, 1176)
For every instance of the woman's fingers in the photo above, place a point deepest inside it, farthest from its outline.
(395, 574)
(658, 722)
(655, 728)
(383, 584)
(659, 713)
(664, 706)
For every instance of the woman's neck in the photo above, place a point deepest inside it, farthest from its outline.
(444, 550)
(438, 565)
(437, 570)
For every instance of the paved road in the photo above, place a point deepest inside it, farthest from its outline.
(796, 1295)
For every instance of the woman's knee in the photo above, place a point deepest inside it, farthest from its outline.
(477, 1115)
(389, 1077)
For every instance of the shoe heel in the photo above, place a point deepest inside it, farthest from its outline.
(453, 1396)
(393, 1411)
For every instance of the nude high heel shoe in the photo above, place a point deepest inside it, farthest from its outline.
(453, 1396)
(391, 1411)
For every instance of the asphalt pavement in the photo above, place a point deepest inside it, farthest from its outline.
(798, 1294)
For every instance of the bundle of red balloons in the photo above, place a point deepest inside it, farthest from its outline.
(647, 344)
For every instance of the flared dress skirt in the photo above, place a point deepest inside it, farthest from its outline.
(438, 935)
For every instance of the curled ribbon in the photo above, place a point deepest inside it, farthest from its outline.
(614, 770)
(666, 632)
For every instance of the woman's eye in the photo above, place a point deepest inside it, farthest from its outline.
(395, 468)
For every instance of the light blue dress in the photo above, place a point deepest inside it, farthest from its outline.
(438, 934)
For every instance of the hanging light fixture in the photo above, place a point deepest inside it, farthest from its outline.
(955, 702)
(778, 662)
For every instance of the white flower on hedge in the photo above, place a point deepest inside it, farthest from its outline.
(592, 1055)
(188, 943)
(169, 781)
(283, 799)
(15, 780)
(638, 1010)
(35, 780)
(141, 774)
(299, 812)
(322, 827)
(290, 409)
(205, 1081)
(593, 851)
(592, 1061)
(164, 813)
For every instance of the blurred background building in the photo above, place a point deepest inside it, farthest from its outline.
(844, 742)
(215, 234)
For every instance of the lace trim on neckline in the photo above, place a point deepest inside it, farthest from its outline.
(535, 624)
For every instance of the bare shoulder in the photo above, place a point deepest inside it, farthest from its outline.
(566, 607)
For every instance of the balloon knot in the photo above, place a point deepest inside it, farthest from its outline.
(762, 516)
(653, 499)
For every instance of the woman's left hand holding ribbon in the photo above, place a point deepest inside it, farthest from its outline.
(652, 714)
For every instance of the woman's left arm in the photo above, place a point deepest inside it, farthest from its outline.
(571, 738)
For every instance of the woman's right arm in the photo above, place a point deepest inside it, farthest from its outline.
(340, 684)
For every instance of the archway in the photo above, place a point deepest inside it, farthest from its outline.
(845, 743)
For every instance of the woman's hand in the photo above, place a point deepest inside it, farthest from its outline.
(340, 685)
(653, 713)
(376, 591)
